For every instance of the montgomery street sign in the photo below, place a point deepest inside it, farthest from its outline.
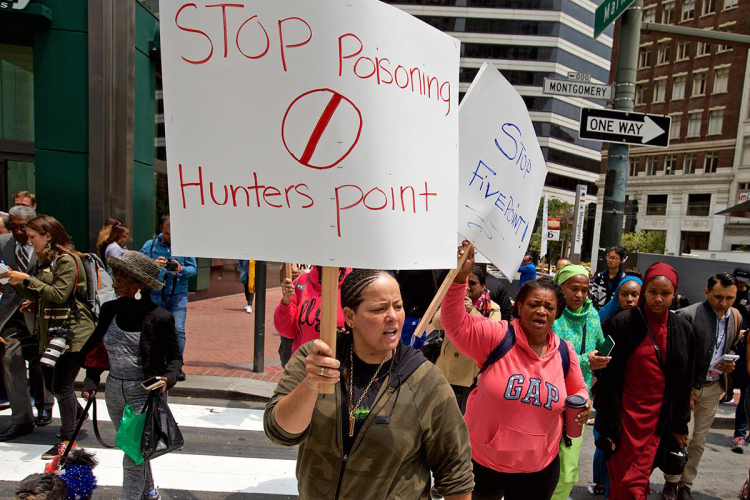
(577, 89)
(609, 125)
(607, 12)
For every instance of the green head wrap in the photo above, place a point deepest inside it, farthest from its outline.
(569, 271)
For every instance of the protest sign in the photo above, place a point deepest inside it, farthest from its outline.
(316, 132)
(501, 170)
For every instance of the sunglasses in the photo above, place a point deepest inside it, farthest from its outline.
(473, 283)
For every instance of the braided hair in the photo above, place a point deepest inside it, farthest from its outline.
(355, 284)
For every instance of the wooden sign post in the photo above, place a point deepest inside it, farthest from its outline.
(329, 314)
(427, 317)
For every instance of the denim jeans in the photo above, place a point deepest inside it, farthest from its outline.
(176, 304)
(59, 381)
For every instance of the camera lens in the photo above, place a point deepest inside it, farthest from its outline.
(56, 348)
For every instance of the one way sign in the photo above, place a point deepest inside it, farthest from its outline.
(625, 127)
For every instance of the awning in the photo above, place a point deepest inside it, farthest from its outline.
(741, 210)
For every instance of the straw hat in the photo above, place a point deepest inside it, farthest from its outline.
(138, 266)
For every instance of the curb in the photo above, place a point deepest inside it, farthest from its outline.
(204, 386)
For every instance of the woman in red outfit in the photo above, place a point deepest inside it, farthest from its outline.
(642, 397)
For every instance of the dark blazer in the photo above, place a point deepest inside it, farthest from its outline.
(11, 301)
(703, 318)
(628, 329)
(160, 352)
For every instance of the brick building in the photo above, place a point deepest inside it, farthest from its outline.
(678, 190)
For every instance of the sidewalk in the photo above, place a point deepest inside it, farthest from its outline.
(219, 351)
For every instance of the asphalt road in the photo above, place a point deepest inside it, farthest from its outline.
(227, 456)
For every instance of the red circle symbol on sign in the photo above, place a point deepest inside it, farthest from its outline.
(309, 117)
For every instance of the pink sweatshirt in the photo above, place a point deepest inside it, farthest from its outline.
(300, 320)
(514, 415)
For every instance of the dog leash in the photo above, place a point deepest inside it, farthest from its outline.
(92, 399)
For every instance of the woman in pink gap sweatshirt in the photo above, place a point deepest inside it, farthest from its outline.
(515, 414)
(297, 316)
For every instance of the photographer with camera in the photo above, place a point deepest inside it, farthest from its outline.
(175, 274)
(16, 327)
(64, 322)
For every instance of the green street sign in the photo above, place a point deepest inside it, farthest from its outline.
(607, 13)
(13, 4)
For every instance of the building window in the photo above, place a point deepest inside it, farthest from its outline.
(640, 92)
(656, 204)
(667, 13)
(644, 58)
(649, 14)
(651, 163)
(711, 163)
(633, 164)
(670, 164)
(16, 93)
(689, 163)
(694, 124)
(699, 84)
(730, 4)
(662, 56)
(660, 90)
(728, 28)
(721, 80)
(678, 87)
(699, 204)
(683, 50)
(709, 7)
(676, 127)
(688, 10)
(715, 121)
(704, 49)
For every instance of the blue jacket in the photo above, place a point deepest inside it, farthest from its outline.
(174, 284)
(528, 273)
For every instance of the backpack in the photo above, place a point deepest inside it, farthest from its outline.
(98, 283)
(507, 344)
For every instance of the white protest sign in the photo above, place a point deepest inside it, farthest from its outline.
(316, 132)
(501, 170)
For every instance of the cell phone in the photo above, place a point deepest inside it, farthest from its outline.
(152, 383)
(728, 358)
(607, 346)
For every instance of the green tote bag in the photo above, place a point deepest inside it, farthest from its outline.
(130, 433)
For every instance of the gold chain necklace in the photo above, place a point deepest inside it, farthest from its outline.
(353, 409)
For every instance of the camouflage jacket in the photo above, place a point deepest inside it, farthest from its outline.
(415, 427)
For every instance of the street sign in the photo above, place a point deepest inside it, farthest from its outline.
(580, 211)
(581, 77)
(609, 125)
(607, 13)
(577, 89)
(553, 229)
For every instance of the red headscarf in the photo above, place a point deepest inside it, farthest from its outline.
(656, 270)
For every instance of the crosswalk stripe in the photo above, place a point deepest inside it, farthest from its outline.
(172, 471)
(207, 417)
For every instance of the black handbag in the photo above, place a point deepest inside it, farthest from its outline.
(161, 434)
(432, 345)
(672, 458)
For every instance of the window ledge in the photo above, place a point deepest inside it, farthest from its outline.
(663, 64)
(697, 95)
(703, 55)
(720, 92)
(730, 8)
(714, 133)
(707, 14)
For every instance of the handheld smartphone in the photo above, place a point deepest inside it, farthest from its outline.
(728, 358)
(607, 346)
(152, 383)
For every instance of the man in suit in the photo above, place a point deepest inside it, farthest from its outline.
(717, 325)
(16, 328)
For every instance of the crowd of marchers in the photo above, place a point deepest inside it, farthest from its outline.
(496, 401)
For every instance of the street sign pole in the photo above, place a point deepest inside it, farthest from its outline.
(615, 184)
(578, 223)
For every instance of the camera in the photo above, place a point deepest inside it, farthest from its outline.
(171, 265)
(60, 342)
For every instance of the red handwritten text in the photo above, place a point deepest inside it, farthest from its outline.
(256, 194)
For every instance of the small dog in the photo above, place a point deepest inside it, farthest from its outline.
(77, 472)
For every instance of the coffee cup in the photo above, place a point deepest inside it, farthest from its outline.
(573, 406)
